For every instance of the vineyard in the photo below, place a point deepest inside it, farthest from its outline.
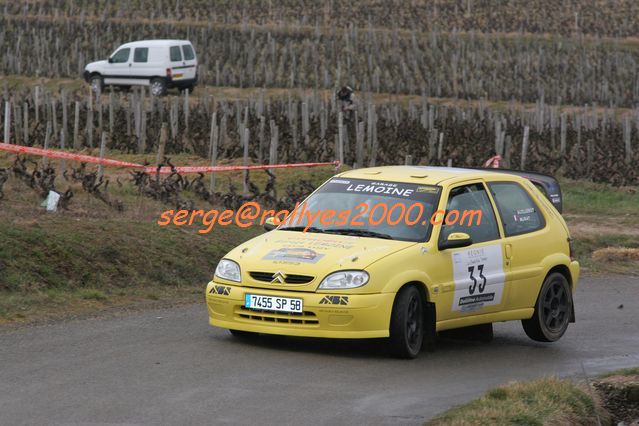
(551, 88)
(617, 18)
(559, 70)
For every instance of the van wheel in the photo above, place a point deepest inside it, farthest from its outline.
(242, 334)
(552, 310)
(97, 83)
(188, 89)
(407, 323)
(125, 89)
(158, 87)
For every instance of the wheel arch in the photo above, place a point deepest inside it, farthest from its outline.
(563, 270)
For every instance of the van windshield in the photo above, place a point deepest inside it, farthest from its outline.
(368, 208)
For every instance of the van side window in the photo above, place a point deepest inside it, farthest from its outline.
(189, 55)
(518, 211)
(121, 56)
(141, 54)
(176, 54)
(475, 215)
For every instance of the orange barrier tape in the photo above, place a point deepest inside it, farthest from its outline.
(214, 169)
(19, 149)
(29, 150)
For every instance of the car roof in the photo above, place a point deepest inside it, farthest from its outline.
(429, 175)
(153, 43)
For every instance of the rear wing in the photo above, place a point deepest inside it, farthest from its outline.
(548, 185)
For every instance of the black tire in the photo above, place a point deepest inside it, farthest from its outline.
(243, 334)
(97, 83)
(407, 323)
(189, 89)
(125, 89)
(158, 87)
(552, 310)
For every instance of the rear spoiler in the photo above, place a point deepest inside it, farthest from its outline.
(548, 185)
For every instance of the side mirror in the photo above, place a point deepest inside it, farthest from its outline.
(269, 224)
(456, 240)
(110, 60)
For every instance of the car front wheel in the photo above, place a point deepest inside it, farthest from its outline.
(552, 310)
(97, 83)
(407, 323)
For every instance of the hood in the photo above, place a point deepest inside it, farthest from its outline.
(306, 258)
(93, 65)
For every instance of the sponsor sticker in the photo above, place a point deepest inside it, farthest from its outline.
(294, 253)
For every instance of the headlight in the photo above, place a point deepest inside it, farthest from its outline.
(344, 279)
(228, 270)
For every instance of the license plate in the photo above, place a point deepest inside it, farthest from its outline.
(272, 303)
(178, 75)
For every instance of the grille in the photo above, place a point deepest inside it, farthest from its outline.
(305, 318)
(290, 278)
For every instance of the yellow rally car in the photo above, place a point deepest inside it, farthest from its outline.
(408, 271)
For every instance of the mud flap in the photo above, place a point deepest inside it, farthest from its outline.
(430, 333)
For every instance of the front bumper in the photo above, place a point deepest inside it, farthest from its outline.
(331, 315)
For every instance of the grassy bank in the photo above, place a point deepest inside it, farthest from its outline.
(57, 266)
(547, 401)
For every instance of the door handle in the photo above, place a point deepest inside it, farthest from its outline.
(129, 64)
(509, 251)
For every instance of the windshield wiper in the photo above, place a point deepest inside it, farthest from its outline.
(302, 228)
(359, 232)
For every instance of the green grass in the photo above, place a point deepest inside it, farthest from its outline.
(56, 262)
(631, 371)
(582, 197)
(547, 401)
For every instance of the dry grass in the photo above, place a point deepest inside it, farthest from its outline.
(616, 254)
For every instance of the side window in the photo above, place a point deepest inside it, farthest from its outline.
(141, 54)
(518, 211)
(121, 56)
(176, 54)
(475, 215)
(189, 55)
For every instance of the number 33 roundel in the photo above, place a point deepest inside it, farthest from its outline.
(479, 278)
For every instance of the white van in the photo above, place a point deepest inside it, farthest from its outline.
(161, 64)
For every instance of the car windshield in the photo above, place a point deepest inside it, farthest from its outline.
(368, 208)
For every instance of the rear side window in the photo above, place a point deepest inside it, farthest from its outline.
(121, 56)
(518, 211)
(188, 52)
(141, 54)
(176, 54)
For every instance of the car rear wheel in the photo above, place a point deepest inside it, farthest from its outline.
(407, 323)
(188, 89)
(158, 87)
(242, 334)
(552, 310)
(97, 83)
